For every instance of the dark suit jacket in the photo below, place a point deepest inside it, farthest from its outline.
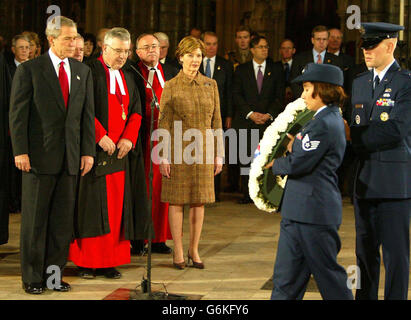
(223, 74)
(40, 124)
(381, 135)
(246, 97)
(301, 60)
(311, 194)
(5, 151)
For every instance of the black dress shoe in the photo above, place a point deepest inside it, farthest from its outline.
(33, 288)
(138, 247)
(63, 287)
(160, 247)
(245, 200)
(86, 273)
(110, 273)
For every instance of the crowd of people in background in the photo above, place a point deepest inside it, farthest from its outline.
(252, 91)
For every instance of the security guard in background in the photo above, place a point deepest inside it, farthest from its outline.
(381, 136)
(311, 208)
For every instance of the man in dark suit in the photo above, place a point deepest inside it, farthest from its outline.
(258, 94)
(221, 70)
(287, 52)
(334, 47)
(52, 133)
(381, 138)
(5, 149)
(319, 54)
(20, 47)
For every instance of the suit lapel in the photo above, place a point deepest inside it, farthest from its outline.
(52, 80)
(251, 75)
(75, 82)
(267, 76)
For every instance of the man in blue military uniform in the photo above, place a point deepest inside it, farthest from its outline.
(311, 208)
(381, 136)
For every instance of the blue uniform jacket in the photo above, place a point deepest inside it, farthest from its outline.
(311, 194)
(381, 134)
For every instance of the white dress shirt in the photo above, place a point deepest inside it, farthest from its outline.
(212, 65)
(17, 63)
(319, 110)
(381, 75)
(56, 64)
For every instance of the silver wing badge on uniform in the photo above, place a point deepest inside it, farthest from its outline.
(309, 145)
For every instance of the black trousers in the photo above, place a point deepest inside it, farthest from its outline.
(46, 223)
(305, 249)
(386, 223)
(4, 196)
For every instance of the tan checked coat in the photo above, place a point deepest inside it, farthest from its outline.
(188, 108)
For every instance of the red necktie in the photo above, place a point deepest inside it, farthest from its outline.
(319, 60)
(64, 84)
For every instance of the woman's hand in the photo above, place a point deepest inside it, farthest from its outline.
(218, 165)
(268, 166)
(165, 168)
(290, 143)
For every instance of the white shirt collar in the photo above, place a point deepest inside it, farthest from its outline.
(319, 110)
(381, 75)
(17, 63)
(56, 60)
(212, 59)
(255, 64)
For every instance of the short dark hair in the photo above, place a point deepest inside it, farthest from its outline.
(319, 28)
(329, 93)
(255, 41)
(209, 33)
(90, 37)
(241, 29)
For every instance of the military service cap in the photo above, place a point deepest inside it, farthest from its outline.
(374, 32)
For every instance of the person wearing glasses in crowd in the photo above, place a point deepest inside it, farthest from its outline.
(318, 54)
(104, 223)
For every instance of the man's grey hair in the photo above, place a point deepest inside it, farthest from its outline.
(119, 33)
(79, 36)
(19, 37)
(161, 36)
(54, 26)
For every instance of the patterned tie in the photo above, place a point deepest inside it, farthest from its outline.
(64, 84)
(208, 68)
(319, 60)
(260, 78)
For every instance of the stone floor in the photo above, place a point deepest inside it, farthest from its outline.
(238, 247)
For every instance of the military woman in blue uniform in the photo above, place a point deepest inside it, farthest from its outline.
(312, 207)
(381, 136)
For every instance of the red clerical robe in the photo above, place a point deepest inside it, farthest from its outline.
(111, 249)
(159, 209)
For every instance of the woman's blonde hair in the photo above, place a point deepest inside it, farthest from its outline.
(189, 44)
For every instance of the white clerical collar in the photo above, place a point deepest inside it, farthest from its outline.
(383, 72)
(115, 76)
(319, 110)
(151, 75)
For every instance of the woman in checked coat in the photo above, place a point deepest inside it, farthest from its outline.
(189, 108)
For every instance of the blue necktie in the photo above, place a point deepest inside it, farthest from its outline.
(208, 68)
